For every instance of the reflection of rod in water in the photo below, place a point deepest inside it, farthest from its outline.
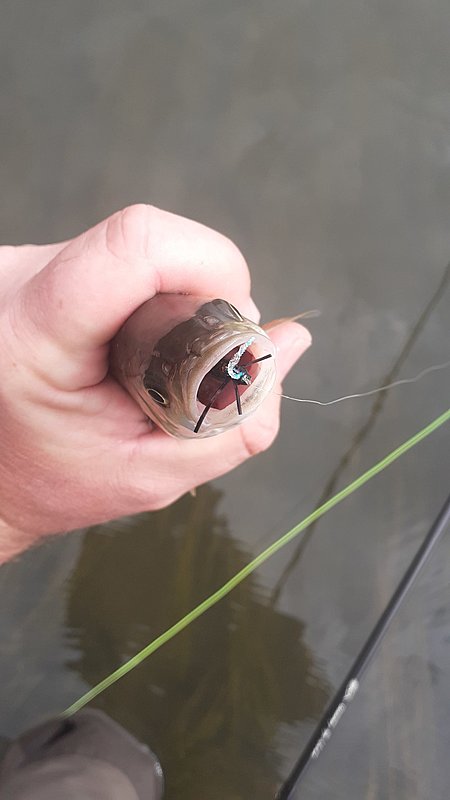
(365, 428)
(350, 685)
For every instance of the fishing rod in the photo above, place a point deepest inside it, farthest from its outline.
(350, 684)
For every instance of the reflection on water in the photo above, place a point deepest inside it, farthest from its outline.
(365, 429)
(316, 135)
(212, 701)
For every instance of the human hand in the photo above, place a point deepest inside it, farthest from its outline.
(76, 449)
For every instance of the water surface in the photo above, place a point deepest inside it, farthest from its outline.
(316, 135)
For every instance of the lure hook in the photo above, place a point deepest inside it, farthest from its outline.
(238, 374)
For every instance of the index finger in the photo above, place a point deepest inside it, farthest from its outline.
(85, 294)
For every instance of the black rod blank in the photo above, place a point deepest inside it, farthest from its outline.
(350, 684)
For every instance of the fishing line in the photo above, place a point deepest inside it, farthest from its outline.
(234, 581)
(434, 368)
(366, 427)
(311, 314)
(350, 684)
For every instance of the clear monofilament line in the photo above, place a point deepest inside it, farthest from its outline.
(401, 382)
(231, 584)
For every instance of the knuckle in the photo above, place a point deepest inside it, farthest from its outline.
(129, 230)
(143, 488)
(236, 257)
(9, 253)
(258, 437)
(138, 493)
(25, 319)
(145, 496)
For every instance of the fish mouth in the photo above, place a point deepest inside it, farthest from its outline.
(207, 399)
(226, 398)
(183, 358)
(212, 390)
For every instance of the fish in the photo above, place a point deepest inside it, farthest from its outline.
(196, 366)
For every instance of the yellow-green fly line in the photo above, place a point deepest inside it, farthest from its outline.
(231, 584)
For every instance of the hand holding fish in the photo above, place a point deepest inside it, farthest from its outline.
(76, 448)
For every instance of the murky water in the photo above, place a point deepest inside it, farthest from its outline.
(317, 135)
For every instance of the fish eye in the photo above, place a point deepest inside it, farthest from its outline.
(236, 312)
(158, 397)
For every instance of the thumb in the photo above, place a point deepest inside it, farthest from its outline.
(291, 341)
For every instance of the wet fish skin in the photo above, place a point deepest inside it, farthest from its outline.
(170, 344)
